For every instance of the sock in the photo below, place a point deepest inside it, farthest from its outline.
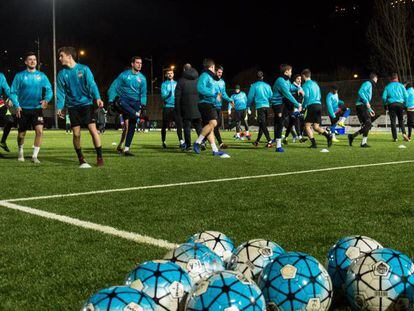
(200, 139)
(364, 140)
(313, 141)
(21, 153)
(214, 147)
(325, 134)
(333, 129)
(278, 143)
(126, 149)
(334, 136)
(79, 153)
(36, 152)
(98, 152)
(181, 142)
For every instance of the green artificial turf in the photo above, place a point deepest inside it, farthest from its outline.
(47, 265)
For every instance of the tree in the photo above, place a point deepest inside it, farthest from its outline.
(391, 33)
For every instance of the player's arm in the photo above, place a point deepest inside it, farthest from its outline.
(250, 96)
(365, 94)
(93, 87)
(165, 93)
(143, 91)
(224, 94)
(285, 90)
(48, 92)
(4, 85)
(329, 105)
(113, 89)
(385, 97)
(60, 94)
(14, 94)
(203, 89)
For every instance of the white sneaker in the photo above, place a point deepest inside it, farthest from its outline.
(20, 159)
(35, 161)
(85, 165)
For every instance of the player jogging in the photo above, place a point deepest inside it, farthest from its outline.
(336, 110)
(76, 90)
(31, 92)
(312, 103)
(364, 110)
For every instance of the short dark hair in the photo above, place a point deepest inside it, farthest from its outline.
(394, 76)
(260, 75)
(208, 62)
(296, 76)
(134, 58)
(68, 50)
(334, 87)
(219, 67)
(187, 67)
(306, 73)
(28, 54)
(373, 75)
(284, 68)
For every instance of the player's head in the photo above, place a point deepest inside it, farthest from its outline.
(394, 76)
(334, 89)
(286, 70)
(237, 89)
(297, 79)
(260, 75)
(219, 71)
(373, 77)
(136, 63)
(67, 55)
(209, 64)
(408, 85)
(306, 74)
(30, 60)
(169, 74)
(187, 67)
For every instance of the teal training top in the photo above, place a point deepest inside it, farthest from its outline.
(29, 89)
(129, 86)
(4, 87)
(168, 93)
(394, 92)
(260, 94)
(312, 93)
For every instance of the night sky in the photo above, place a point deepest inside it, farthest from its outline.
(240, 35)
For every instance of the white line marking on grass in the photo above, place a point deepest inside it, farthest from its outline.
(143, 239)
(200, 182)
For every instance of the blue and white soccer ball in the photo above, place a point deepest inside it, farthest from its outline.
(342, 254)
(164, 281)
(198, 260)
(218, 242)
(381, 280)
(251, 257)
(227, 291)
(296, 281)
(119, 298)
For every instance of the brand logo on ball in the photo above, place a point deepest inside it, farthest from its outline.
(133, 307)
(250, 265)
(266, 251)
(232, 308)
(288, 272)
(194, 266)
(381, 269)
(353, 252)
(381, 293)
(314, 304)
(242, 278)
(176, 290)
(201, 288)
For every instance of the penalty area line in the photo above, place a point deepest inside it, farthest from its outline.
(135, 237)
(209, 181)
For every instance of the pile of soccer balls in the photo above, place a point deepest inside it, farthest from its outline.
(209, 273)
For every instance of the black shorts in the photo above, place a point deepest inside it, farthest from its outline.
(29, 119)
(313, 114)
(278, 109)
(81, 116)
(208, 112)
(240, 115)
(363, 114)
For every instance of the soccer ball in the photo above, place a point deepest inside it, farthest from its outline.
(164, 281)
(217, 242)
(119, 298)
(251, 257)
(195, 258)
(342, 254)
(228, 291)
(296, 281)
(381, 280)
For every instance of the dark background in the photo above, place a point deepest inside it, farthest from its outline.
(326, 36)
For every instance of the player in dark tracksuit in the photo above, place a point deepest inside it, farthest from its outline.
(364, 110)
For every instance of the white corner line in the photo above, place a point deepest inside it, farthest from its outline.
(143, 239)
(200, 182)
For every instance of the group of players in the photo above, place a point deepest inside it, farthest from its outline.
(192, 102)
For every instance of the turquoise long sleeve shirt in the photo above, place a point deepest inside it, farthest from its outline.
(4, 87)
(168, 93)
(260, 94)
(394, 92)
(129, 86)
(312, 94)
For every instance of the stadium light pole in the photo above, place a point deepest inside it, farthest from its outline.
(54, 61)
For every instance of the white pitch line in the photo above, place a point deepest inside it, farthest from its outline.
(200, 182)
(143, 239)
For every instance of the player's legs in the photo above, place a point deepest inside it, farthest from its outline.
(393, 119)
(166, 119)
(366, 124)
(278, 125)
(399, 110)
(179, 126)
(217, 133)
(187, 132)
(262, 114)
(130, 135)
(410, 122)
(123, 136)
(8, 124)
(37, 142)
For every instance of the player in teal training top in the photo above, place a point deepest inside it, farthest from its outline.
(76, 90)
(409, 105)
(169, 113)
(313, 105)
(5, 114)
(31, 92)
(239, 98)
